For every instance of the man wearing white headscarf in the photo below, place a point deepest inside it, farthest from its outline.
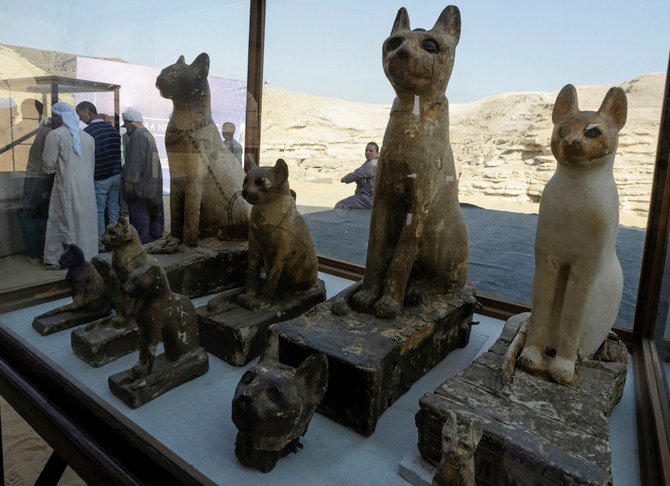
(69, 152)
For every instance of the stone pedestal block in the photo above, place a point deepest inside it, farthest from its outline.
(237, 335)
(164, 376)
(48, 324)
(100, 342)
(535, 431)
(210, 267)
(371, 361)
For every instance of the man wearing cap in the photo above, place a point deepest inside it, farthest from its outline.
(228, 130)
(142, 178)
(107, 176)
(69, 153)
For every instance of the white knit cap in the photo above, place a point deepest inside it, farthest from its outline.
(132, 115)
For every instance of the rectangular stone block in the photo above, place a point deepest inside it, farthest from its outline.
(237, 335)
(48, 324)
(210, 267)
(100, 343)
(535, 431)
(372, 362)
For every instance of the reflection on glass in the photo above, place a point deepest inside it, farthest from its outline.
(115, 69)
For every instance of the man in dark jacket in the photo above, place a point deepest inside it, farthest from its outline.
(142, 178)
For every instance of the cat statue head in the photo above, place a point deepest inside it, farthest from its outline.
(182, 82)
(273, 405)
(72, 256)
(587, 138)
(419, 62)
(459, 443)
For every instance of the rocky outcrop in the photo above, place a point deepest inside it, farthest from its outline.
(501, 144)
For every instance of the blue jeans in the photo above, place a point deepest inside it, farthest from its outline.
(107, 197)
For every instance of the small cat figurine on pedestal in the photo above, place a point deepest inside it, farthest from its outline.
(273, 406)
(459, 442)
(578, 279)
(91, 297)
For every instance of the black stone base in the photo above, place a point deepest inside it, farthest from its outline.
(48, 324)
(100, 342)
(535, 431)
(237, 335)
(210, 267)
(371, 361)
(165, 376)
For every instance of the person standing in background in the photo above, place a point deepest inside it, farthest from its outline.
(69, 153)
(142, 178)
(228, 130)
(37, 185)
(107, 176)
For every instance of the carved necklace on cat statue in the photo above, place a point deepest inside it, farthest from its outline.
(205, 176)
(578, 279)
(418, 243)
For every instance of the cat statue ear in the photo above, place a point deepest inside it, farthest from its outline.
(271, 353)
(312, 376)
(279, 173)
(449, 22)
(475, 429)
(181, 60)
(566, 103)
(401, 21)
(201, 63)
(450, 425)
(615, 107)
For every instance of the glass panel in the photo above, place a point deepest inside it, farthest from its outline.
(110, 55)
(321, 108)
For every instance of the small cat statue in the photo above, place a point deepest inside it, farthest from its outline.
(459, 442)
(418, 243)
(273, 405)
(279, 240)
(578, 279)
(160, 314)
(89, 291)
(205, 177)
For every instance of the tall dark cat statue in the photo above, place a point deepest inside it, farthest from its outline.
(205, 176)
(273, 406)
(418, 242)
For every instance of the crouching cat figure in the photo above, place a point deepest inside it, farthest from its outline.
(459, 443)
(418, 242)
(273, 406)
(205, 176)
(578, 280)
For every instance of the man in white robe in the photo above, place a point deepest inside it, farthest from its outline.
(69, 152)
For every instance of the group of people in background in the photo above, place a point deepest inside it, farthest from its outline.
(76, 184)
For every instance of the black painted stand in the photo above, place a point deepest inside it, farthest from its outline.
(210, 267)
(100, 342)
(371, 361)
(535, 431)
(236, 334)
(164, 376)
(48, 324)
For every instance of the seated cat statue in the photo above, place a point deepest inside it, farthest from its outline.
(205, 176)
(279, 240)
(418, 243)
(160, 314)
(273, 406)
(578, 280)
(89, 291)
(459, 442)
(128, 254)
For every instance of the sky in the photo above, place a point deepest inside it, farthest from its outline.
(333, 48)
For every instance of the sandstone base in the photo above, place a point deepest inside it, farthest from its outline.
(210, 267)
(65, 320)
(371, 361)
(165, 376)
(237, 335)
(535, 431)
(100, 342)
